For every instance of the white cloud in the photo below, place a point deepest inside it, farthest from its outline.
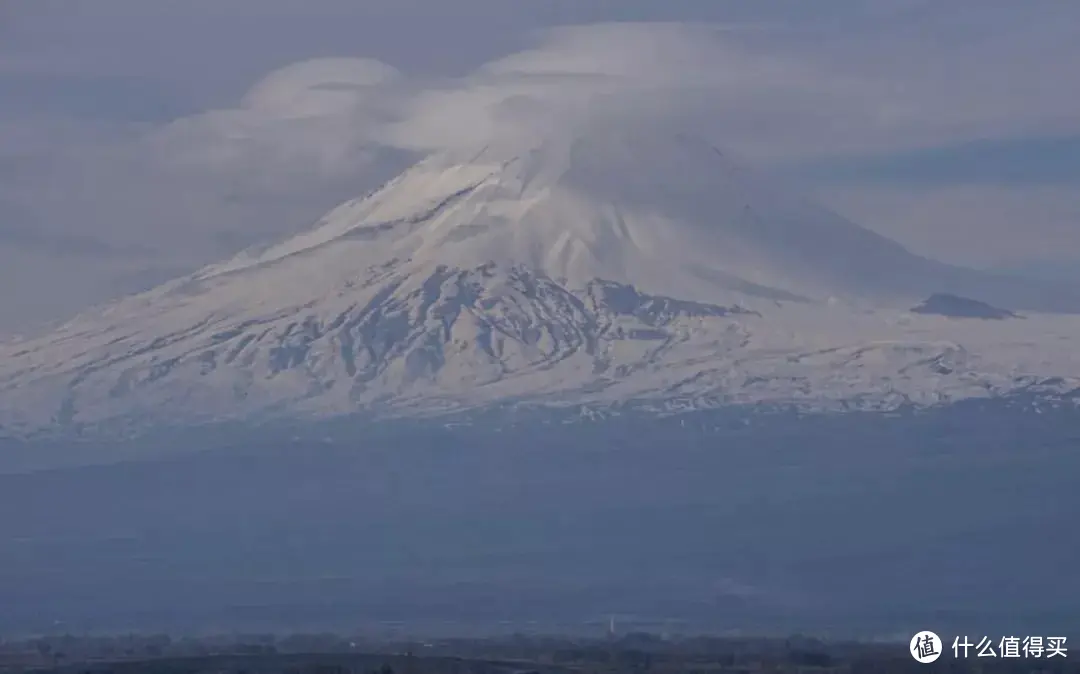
(912, 74)
(119, 209)
(686, 74)
(319, 116)
(778, 93)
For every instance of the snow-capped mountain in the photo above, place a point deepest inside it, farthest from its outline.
(599, 267)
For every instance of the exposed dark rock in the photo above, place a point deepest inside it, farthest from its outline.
(954, 306)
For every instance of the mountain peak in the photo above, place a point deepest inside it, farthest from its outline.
(667, 212)
(605, 267)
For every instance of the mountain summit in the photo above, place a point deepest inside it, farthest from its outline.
(671, 214)
(596, 268)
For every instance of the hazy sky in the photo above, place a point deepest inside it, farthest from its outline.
(140, 139)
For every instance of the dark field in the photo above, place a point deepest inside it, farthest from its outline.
(634, 653)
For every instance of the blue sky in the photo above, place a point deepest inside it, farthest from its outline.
(951, 127)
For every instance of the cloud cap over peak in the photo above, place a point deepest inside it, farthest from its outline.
(321, 86)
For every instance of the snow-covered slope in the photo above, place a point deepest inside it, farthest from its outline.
(601, 267)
